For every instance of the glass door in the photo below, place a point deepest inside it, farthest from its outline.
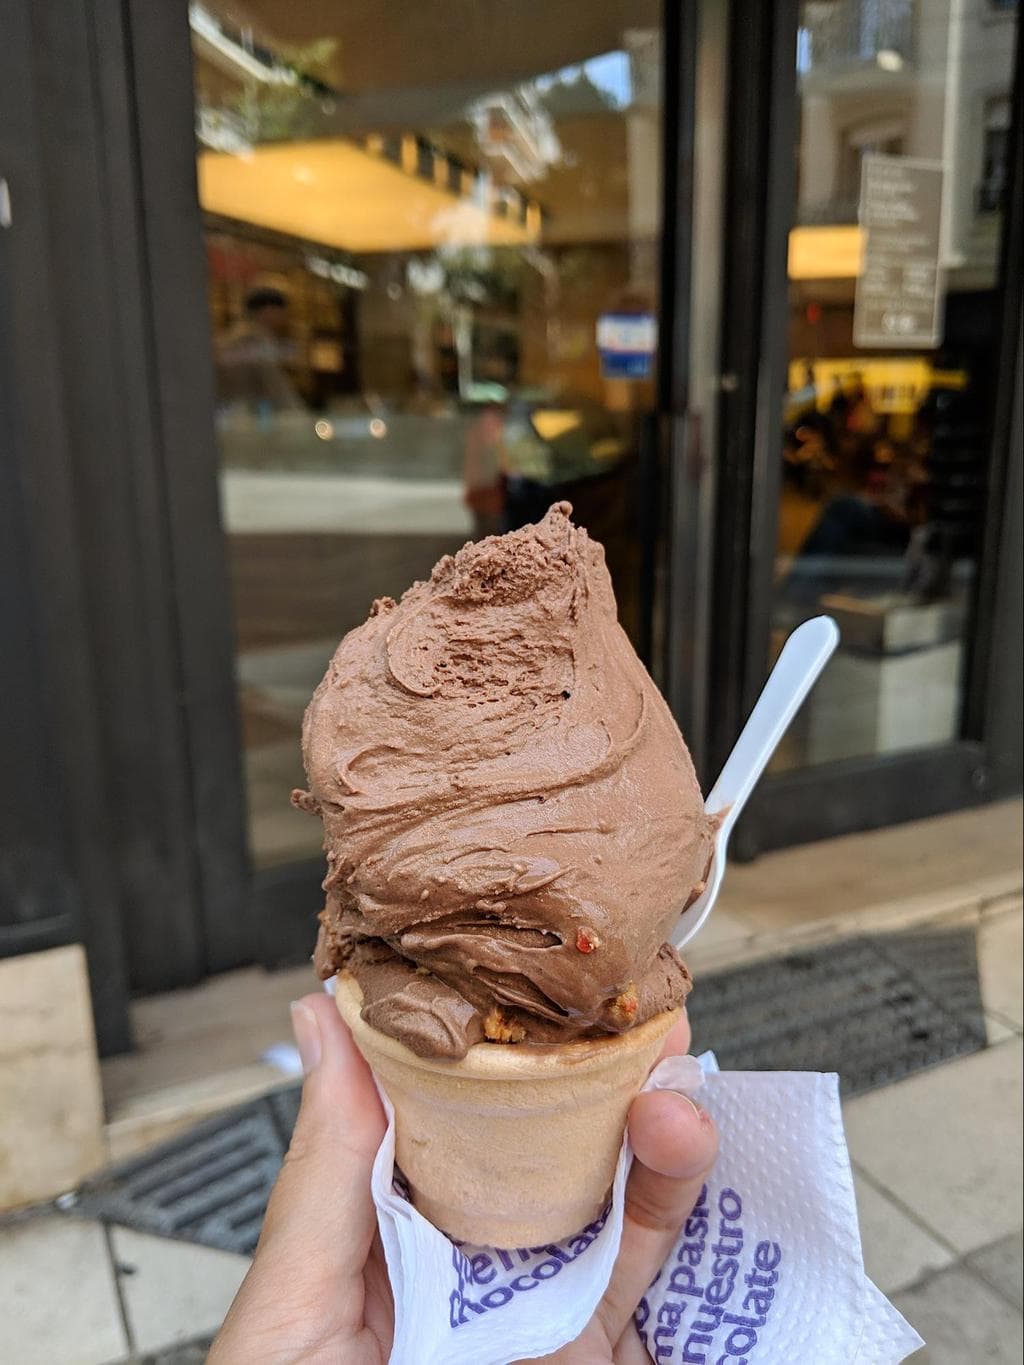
(432, 241)
(882, 483)
(892, 337)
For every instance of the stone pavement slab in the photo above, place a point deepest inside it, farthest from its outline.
(1001, 966)
(962, 1320)
(897, 1251)
(58, 1299)
(927, 866)
(173, 1291)
(51, 1103)
(947, 1144)
(1001, 1265)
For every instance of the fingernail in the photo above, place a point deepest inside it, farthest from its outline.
(693, 1105)
(703, 1116)
(307, 1036)
(702, 1113)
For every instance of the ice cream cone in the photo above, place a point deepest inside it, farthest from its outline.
(515, 1145)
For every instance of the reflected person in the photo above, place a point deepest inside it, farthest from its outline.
(483, 471)
(252, 355)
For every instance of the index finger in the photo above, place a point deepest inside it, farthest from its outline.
(677, 1040)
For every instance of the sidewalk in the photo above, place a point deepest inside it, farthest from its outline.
(937, 1157)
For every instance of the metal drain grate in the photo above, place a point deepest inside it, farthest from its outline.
(210, 1186)
(874, 1009)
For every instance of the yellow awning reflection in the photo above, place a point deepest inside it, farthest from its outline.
(826, 253)
(334, 192)
(549, 425)
(894, 384)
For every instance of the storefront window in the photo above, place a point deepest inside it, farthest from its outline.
(893, 265)
(432, 240)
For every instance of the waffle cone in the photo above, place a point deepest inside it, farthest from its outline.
(513, 1146)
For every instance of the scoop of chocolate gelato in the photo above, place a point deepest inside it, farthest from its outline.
(511, 819)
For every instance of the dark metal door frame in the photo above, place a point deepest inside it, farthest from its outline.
(59, 880)
(113, 452)
(180, 374)
(866, 793)
(695, 144)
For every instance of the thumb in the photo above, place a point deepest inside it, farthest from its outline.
(320, 1221)
(675, 1144)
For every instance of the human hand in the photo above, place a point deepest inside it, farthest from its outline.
(318, 1293)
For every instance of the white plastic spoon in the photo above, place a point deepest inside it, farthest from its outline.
(804, 655)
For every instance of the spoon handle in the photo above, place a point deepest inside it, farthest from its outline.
(804, 655)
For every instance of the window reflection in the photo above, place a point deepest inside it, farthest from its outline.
(411, 240)
(884, 442)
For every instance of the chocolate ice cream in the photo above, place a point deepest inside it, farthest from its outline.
(511, 819)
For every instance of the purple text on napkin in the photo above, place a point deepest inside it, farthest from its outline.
(503, 1276)
(708, 1294)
